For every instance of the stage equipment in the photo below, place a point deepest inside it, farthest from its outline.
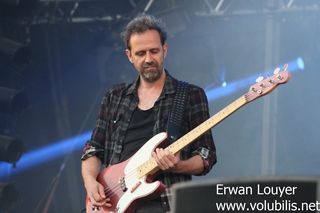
(11, 149)
(18, 53)
(12, 101)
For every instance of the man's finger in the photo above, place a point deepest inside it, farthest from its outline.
(97, 202)
(157, 157)
(101, 191)
(162, 160)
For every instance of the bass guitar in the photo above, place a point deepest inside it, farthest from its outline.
(129, 183)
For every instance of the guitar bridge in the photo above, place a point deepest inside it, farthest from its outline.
(123, 184)
(95, 208)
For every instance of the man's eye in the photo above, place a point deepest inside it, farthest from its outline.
(140, 54)
(154, 51)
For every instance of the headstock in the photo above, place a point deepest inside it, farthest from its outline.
(263, 87)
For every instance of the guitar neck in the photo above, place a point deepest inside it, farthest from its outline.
(150, 166)
(205, 126)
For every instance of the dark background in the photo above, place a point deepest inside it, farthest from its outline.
(77, 54)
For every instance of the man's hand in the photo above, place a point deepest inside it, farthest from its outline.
(95, 191)
(166, 160)
(96, 194)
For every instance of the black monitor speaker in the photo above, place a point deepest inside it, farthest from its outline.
(262, 194)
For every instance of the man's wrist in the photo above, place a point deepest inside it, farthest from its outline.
(179, 167)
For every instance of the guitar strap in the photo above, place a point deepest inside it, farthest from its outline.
(174, 126)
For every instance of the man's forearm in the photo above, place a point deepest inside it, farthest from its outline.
(90, 168)
(192, 166)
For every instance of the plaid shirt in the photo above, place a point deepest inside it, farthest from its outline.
(114, 117)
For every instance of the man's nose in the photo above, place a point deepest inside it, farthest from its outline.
(148, 57)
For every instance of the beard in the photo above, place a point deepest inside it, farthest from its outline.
(151, 72)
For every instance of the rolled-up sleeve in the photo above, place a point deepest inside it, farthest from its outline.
(204, 145)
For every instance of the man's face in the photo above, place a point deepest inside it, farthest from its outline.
(147, 54)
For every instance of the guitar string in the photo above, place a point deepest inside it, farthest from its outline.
(130, 174)
(117, 186)
(110, 191)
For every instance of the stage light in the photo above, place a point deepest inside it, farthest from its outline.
(69, 145)
(19, 54)
(11, 149)
(8, 196)
(300, 63)
(12, 101)
(45, 154)
(226, 89)
(224, 84)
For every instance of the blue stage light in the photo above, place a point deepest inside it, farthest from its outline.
(300, 63)
(224, 84)
(64, 147)
(226, 89)
(41, 155)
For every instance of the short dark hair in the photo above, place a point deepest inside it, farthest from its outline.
(141, 24)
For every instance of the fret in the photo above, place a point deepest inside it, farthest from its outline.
(259, 89)
(178, 145)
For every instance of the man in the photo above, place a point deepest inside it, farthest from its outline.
(132, 113)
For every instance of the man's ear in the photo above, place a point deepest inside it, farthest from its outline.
(165, 50)
(128, 53)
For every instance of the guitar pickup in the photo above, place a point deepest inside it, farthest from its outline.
(135, 187)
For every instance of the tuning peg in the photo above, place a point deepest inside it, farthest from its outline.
(276, 71)
(259, 79)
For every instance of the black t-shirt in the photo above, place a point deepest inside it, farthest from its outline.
(140, 130)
